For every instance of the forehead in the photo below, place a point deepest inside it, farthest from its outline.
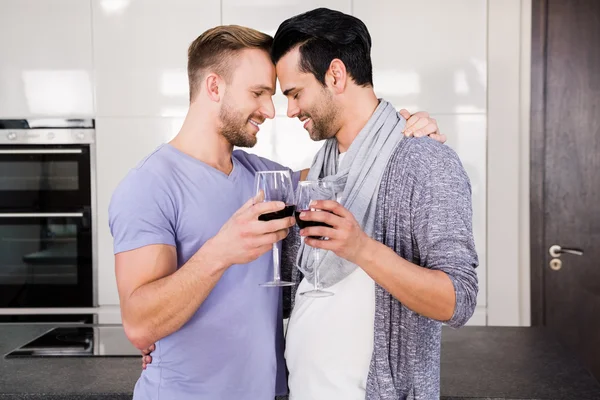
(288, 70)
(253, 67)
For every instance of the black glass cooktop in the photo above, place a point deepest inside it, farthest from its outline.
(79, 341)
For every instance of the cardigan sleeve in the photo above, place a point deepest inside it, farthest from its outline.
(442, 225)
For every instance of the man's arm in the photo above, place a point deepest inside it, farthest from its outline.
(425, 291)
(157, 299)
(446, 290)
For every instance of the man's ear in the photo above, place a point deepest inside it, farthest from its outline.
(214, 87)
(337, 76)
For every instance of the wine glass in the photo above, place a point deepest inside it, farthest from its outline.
(307, 192)
(276, 186)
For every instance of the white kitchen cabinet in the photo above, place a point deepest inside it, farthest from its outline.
(45, 59)
(140, 54)
(121, 144)
(429, 54)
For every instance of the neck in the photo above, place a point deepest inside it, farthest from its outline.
(359, 104)
(199, 137)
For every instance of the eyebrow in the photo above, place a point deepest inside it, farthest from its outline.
(288, 91)
(264, 87)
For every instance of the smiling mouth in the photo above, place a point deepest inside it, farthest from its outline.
(256, 124)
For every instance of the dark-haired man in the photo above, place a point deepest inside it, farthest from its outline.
(402, 257)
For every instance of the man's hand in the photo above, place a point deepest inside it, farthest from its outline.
(244, 238)
(146, 357)
(421, 124)
(345, 237)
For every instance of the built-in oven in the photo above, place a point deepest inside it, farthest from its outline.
(46, 224)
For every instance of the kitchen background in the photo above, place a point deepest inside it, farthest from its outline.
(122, 63)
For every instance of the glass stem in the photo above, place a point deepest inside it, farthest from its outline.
(317, 259)
(276, 273)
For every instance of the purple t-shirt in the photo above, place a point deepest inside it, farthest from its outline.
(232, 348)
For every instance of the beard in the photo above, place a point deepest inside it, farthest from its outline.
(323, 118)
(234, 126)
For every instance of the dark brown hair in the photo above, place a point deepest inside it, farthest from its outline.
(214, 50)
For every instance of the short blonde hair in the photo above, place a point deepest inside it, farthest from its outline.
(214, 49)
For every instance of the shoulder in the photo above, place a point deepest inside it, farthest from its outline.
(256, 163)
(419, 157)
(160, 161)
(144, 185)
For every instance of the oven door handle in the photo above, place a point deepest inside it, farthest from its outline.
(41, 215)
(41, 151)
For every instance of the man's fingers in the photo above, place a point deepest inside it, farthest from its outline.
(248, 204)
(333, 206)
(421, 114)
(273, 225)
(405, 114)
(320, 216)
(312, 234)
(265, 208)
(427, 130)
(440, 137)
(270, 238)
(259, 198)
(149, 350)
(418, 125)
(146, 360)
(318, 243)
(265, 248)
(415, 118)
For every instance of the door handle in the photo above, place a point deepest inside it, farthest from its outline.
(555, 251)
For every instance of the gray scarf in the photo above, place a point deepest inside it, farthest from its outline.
(357, 180)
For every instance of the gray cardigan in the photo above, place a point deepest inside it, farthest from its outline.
(424, 214)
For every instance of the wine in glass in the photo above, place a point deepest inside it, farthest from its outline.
(276, 186)
(307, 192)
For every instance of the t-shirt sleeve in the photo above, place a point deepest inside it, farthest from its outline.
(140, 213)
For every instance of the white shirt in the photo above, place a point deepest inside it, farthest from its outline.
(329, 341)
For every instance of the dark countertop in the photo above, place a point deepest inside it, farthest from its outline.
(61, 378)
(477, 363)
(511, 363)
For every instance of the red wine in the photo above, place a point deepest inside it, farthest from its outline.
(305, 224)
(288, 211)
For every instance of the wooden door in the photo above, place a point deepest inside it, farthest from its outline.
(565, 173)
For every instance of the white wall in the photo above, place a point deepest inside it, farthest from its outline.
(509, 46)
(123, 62)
